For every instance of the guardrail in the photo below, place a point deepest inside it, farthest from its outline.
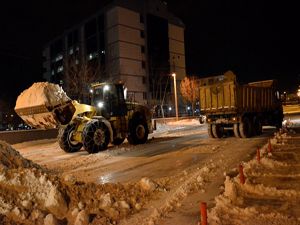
(18, 136)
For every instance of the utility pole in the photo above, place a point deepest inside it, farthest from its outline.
(175, 93)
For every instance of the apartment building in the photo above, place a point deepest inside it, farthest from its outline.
(138, 42)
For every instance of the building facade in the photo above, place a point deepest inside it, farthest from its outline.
(137, 41)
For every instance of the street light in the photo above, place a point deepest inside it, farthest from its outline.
(175, 93)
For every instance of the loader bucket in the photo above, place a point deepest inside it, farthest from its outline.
(44, 105)
(38, 117)
(47, 117)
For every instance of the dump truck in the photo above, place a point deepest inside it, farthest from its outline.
(244, 109)
(109, 118)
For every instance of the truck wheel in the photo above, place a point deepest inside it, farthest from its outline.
(245, 128)
(65, 139)
(209, 131)
(118, 141)
(138, 132)
(218, 130)
(236, 130)
(257, 126)
(95, 136)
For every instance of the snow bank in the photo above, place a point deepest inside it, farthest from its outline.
(264, 198)
(31, 195)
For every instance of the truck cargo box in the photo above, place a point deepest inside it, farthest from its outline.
(222, 94)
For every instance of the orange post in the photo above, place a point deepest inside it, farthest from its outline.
(258, 155)
(203, 211)
(269, 146)
(242, 177)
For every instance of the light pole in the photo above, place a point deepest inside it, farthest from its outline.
(175, 94)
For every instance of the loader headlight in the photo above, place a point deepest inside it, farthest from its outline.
(106, 88)
(100, 104)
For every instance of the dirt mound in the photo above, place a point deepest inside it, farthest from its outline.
(11, 159)
(31, 195)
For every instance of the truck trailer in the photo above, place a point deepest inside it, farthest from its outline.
(244, 109)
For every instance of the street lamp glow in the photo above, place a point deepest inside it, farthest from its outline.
(175, 93)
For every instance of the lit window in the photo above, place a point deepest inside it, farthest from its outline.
(71, 51)
(58, 58)
(60, 68)
(52, 72)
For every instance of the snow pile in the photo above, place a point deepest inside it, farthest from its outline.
(11, 159)
(168, 127)
(34, 105)
(31, 195)
(271, 191)
(42, 93)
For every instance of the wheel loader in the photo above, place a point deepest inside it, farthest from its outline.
(109, 119)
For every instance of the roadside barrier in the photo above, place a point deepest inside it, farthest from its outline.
(203, 211)
(258, 155)
(242, 176)
(18, 136)
(269, 146)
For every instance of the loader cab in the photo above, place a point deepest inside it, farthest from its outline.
(109, 99)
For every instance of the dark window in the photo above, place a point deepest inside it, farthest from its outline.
(72, 38)
(143, 49)
(144, 80)
(90, 28)
(143, 64)
(101, 39)
(56, 48)
(145, 95)
(141, 18)
(101, 23)
(91, 45)
(142, 34)
(158, 53)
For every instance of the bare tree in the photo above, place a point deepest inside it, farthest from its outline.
(78, 75)
(189, 90)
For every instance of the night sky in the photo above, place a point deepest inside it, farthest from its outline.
(255, 39)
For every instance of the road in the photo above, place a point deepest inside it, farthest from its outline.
(166, 153)
(171, 157)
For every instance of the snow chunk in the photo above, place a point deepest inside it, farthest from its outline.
(147, 184)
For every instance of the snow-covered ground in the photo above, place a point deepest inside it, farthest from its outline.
(271, 192)
(185, 169)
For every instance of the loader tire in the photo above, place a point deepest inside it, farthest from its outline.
(95, 136)
(138, 132)
(217, 130)
(64, 139)
(245, 128)
(236, 130)
(209, 131)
